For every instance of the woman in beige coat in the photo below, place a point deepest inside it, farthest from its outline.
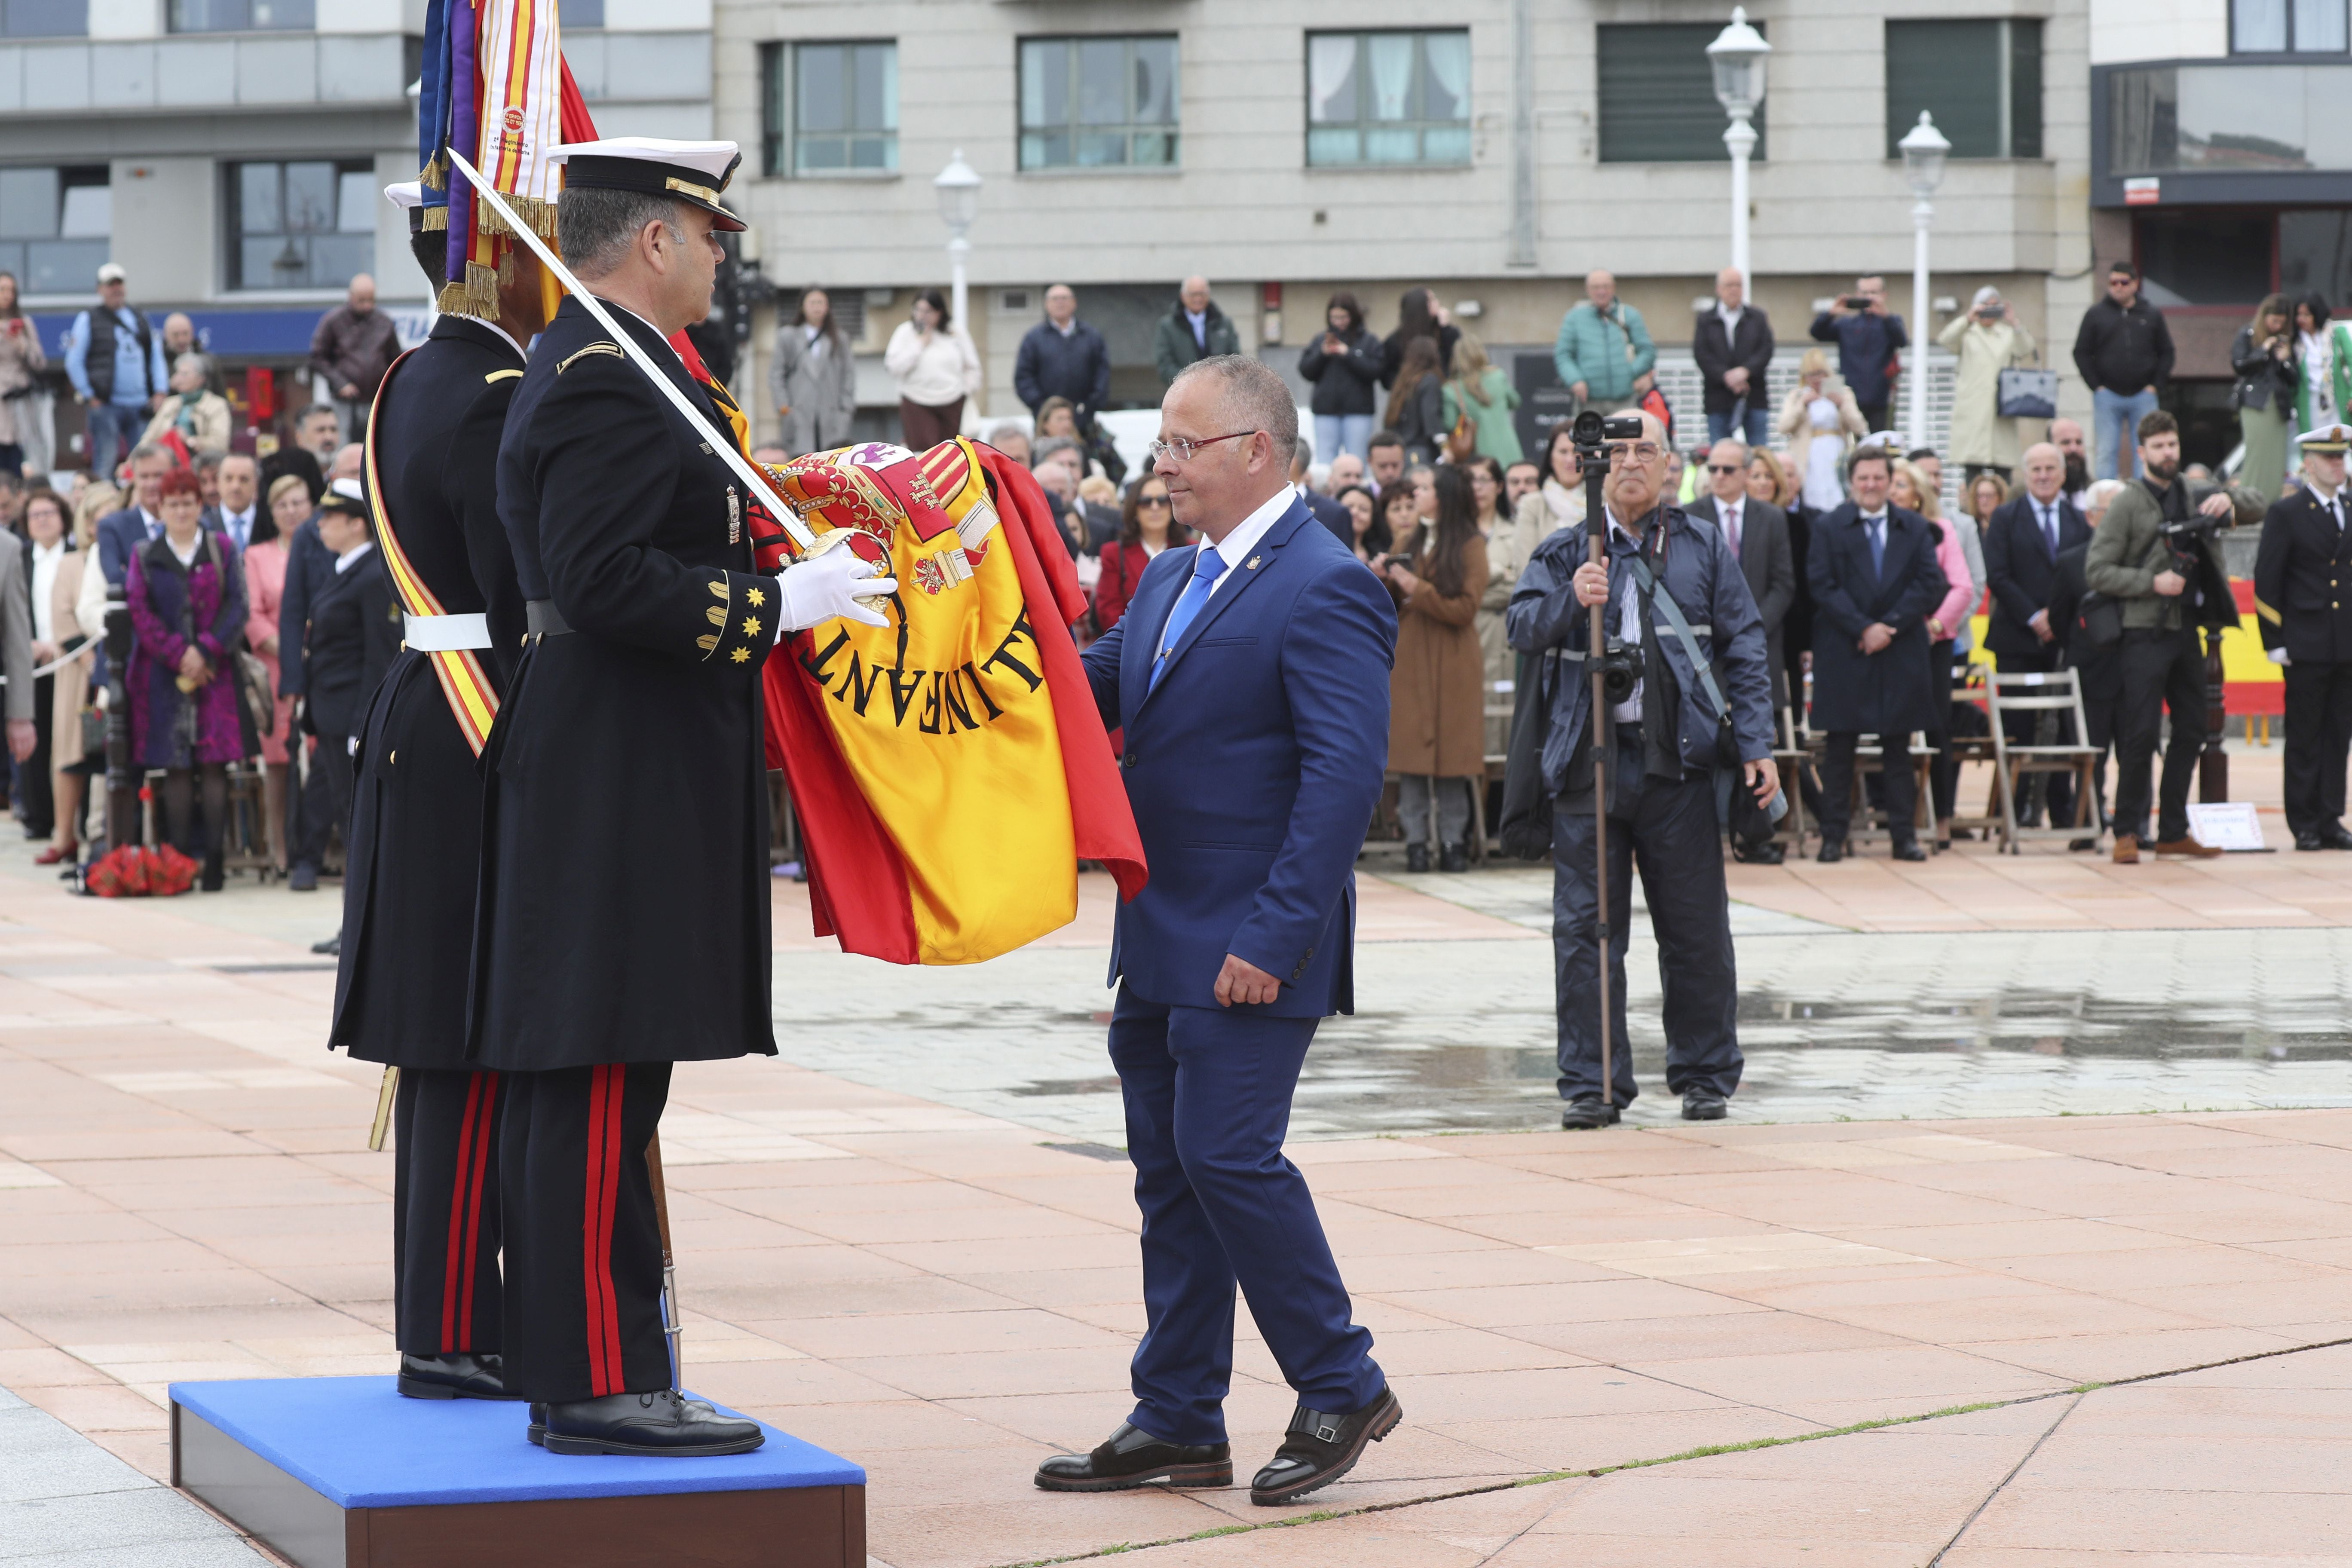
(1988, 340)
(20, 360)
(78, 616)
(1820, 421)
(200, 416)
(1505, 558)
(1437, 734)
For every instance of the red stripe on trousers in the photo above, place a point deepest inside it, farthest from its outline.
(489, 1124)
(620, 1081)
(450, 1269)
(591, 1259)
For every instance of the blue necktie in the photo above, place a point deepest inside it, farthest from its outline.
(1877, 546)
(1207, 567)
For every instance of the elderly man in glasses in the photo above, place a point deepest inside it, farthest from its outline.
(1679, 726)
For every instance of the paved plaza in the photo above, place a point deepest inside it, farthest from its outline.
(2026, 1245)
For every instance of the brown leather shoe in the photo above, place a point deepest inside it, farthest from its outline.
(2187, 847)
(2126, 849)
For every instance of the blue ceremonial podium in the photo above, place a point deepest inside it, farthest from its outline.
(341, 1472)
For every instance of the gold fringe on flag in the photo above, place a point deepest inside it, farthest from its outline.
(436, 220)
(538, 213)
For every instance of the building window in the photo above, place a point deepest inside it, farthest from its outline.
(571, 14)
(1388, 97)
(300, 225)
(1981, 80)
(2314, 252)
(1657, 95)
(44, 18)
(1098, 102)
(841, 103)
(55, 226)
(2288, 26)
(2207, 259)
(242, 16)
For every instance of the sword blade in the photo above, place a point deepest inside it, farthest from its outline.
(724, 446)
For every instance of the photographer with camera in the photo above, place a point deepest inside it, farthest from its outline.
(2154, 555)
(1684, 701)
(1868, 337)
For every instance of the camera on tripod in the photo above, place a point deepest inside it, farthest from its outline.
(1593, 430)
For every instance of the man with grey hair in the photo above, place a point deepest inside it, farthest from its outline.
(1194, 331)
(1250, 676)
(351, 349)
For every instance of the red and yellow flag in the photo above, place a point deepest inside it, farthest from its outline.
(949, 768)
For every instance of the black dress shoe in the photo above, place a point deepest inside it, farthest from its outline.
(1131, 1457)
(303, 878)
(1910, 851)
(331, 948)
(459, 1376)
(1833, 851)
(538, 1433)
(1586, 1113)
(1416, 857)
(661, 1425)
(1700, 1106)
(2309, 839)
(1768, 853)
(2080, 845)
(2332, 834)
(1317, 1449)
(1452, 859)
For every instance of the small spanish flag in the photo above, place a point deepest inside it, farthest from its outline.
(949, 768)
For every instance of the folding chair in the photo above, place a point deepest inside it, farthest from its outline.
(1869, 757)
(1787, 755)
(1969, 686)
(2058, 692)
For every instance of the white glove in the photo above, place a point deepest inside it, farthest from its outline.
(830, 583)
(2277, 655)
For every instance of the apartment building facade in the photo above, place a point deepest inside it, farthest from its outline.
(1494, 151)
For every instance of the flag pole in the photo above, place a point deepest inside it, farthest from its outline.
(384, 1096)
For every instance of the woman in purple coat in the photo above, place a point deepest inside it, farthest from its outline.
(186, 595)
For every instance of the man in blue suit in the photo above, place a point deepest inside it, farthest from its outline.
(1250, 676)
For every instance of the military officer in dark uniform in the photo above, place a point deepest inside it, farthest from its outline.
(348, 641)
(2303, 602)
(415, 838)
(603, 954)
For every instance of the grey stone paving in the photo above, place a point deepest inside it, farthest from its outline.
(1835, 1025)
(63, 1500)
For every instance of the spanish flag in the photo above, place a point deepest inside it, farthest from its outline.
(949, 768)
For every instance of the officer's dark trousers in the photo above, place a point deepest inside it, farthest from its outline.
(326, 800)
(583, 1245)
(445, 1212)
(1668, 828)
(2161, 670)
(1208, 1101)
(1898, 780)
(2318, 737)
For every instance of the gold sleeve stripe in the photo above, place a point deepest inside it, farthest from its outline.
(497, 376)
(595, 348)
(2267, 613)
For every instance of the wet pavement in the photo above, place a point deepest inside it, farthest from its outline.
(1836, 1025)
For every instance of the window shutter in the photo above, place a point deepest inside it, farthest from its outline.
(1657, 95)
(1953, 70)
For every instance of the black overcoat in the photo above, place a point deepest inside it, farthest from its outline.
(354, 636)
(623, 914)
(1891, 691)
(2303, 580)
(413, 854)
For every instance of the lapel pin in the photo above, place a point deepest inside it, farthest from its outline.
(1252, 561)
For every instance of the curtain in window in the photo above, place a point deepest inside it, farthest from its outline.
(1331, 72)
(1392, 73)
(2319, 26)
(1449, 69)
(2258, 26)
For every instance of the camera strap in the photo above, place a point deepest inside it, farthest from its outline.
(1648, 582)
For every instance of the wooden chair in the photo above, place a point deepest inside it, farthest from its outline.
(2059, 692)
(1787, 755)
(1969, 686)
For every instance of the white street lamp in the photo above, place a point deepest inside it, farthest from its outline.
(958, 185)
(1924, 149)
(1737, 55)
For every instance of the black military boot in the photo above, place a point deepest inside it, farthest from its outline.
(459, 1376)
(661, 1425)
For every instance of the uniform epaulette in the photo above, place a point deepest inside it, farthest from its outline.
(497, 376)
(595, 348)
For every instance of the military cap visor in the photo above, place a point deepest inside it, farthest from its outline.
(691, 172)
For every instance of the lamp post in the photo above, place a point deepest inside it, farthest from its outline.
(1737, 57)
(958, 185)
(1923, 149)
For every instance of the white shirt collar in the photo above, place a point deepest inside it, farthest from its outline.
(43, 554)
(1065, 332)
(1235, 550)
(521, 353)
(344, 563)
(1731, 314)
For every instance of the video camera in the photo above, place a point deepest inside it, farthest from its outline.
(1619, 665)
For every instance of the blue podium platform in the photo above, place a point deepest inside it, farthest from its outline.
(342, 1472)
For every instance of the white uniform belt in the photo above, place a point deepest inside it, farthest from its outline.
(448, 633)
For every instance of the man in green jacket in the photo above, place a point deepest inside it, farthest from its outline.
(1603, 353)
(1194, 330)
(2168, 583)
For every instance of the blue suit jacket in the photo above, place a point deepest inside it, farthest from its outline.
(1252, 769)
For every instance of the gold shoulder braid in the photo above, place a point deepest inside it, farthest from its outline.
(599, 347)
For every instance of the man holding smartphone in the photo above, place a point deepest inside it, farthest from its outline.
(1867, 338)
